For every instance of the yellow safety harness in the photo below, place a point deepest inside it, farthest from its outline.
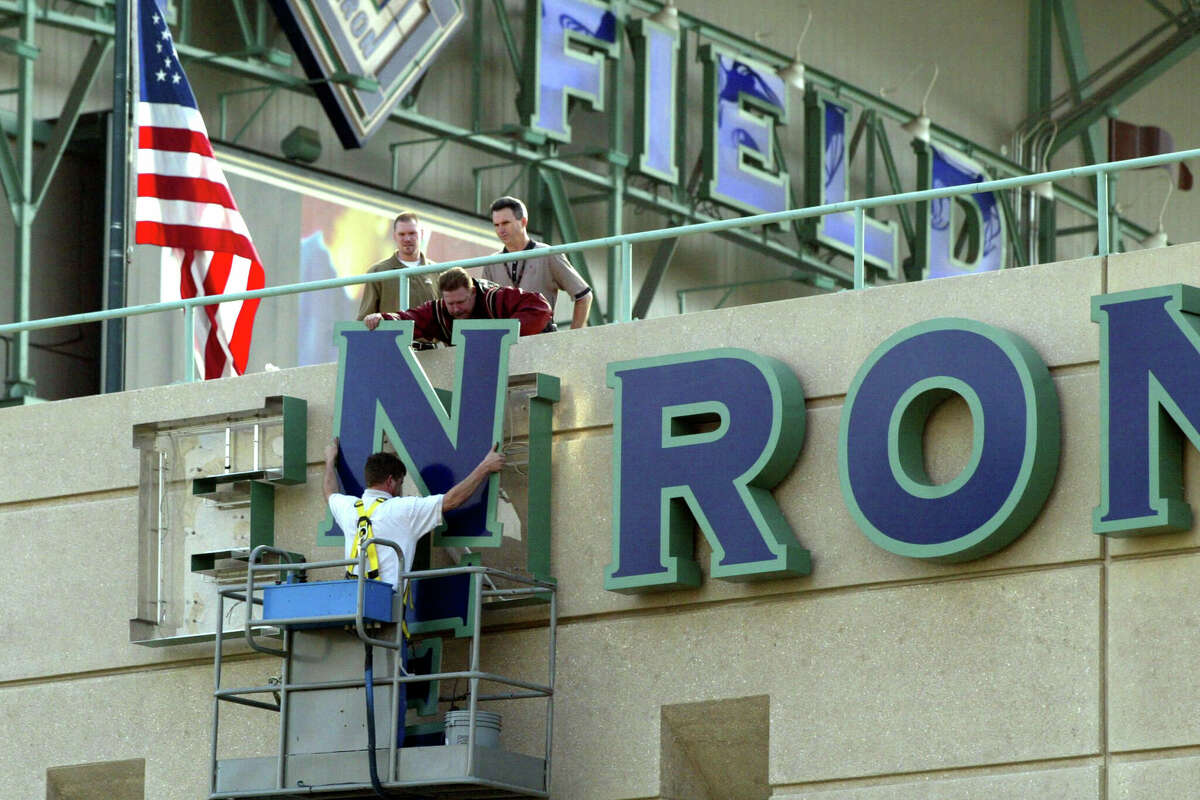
(362, 538)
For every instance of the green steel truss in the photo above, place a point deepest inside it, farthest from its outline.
(596, 174)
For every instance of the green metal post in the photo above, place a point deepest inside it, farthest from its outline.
(402, 298)
(1102, 212)
(1071, 41)
(623, 300)
(617, 161)
(1047, 233)
(870, 165)
(260, 25)
(189, 336)
(889, 164)
(184, 23)
(117, 238)
(476, 65)
(20, 383)
(616, 212)
(860, 267)
(1038, 73)
(920, 242)
(1114, 219)
(681, 110)
(1037, 105)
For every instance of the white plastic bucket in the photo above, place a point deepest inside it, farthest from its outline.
(487, 728)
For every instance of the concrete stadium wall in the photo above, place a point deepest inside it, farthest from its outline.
(1057, 667)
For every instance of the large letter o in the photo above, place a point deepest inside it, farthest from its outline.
(1014, 459)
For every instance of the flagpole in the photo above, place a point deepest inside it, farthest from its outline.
(118, 200)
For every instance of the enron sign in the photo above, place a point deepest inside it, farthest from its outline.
(700, 439)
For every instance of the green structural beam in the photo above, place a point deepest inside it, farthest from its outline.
(60, 136)
(10, 178)
(1182, 43)
(618, 160)
(610, 176)
(654, 276)
(510, 41)
(889, 164)
(1038, 74)
(565, 219)
(19, 186)
(505, 147)
(1077, 70)
(1160, 8)
(1010, 222)
(243, 20)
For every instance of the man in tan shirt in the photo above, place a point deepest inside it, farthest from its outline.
(542, 274)
(385, 295)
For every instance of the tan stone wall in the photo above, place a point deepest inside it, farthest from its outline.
(1058, 667)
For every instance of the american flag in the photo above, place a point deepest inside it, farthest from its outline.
(184, 203)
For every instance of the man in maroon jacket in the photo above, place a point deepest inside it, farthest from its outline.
(466, 298)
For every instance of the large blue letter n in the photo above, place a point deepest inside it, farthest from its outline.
(708, 433)
(1149, 403)
(382, 389)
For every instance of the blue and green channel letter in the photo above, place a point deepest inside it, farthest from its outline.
(1014, 451)
(702, 437)
(567, 44)
(382, 389)
(1149, 406)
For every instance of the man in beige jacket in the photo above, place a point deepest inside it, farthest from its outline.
(385, 295)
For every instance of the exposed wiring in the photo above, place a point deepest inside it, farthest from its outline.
(884, 91)
(1162, 211)
(803, 33)
(369, 679)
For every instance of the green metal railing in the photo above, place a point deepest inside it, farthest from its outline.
(623, 301)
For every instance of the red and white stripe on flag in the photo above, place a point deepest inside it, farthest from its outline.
(184, 203)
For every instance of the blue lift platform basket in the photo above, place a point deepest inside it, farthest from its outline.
(320, 701)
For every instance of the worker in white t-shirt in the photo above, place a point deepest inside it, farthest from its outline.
(404, 520)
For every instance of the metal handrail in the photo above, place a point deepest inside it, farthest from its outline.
(624, 294)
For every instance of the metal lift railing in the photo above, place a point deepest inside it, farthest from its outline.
(282, 691)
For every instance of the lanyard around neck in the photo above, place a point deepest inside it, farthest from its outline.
(516, 269)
